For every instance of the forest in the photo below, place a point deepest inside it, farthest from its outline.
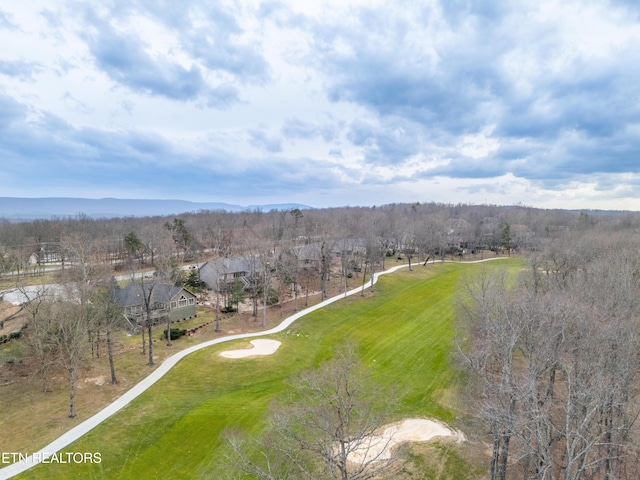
(552, 353)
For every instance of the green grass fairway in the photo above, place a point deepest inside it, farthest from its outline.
(405, 333)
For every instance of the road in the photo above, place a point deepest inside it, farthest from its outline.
(18, 296)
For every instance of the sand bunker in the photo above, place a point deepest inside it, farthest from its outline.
(260, 347)
(378, 447)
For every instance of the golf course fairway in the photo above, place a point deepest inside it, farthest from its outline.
(405, 333)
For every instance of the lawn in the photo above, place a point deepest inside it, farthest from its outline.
(405, 332)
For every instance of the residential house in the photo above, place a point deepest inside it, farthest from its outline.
(163, 299)
(221, 274)
(46, 253)
(308, 255)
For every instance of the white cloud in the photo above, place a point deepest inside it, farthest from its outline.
(324, 102)
(479, 145)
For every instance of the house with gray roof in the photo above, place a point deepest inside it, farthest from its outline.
(164, 301)
(221, 274)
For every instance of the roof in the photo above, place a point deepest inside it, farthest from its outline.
(160, 292)
(313, 251)
(210, 271)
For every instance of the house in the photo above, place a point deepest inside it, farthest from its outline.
(164, 300)
(308, 255)
(220, 275)
(47, 252)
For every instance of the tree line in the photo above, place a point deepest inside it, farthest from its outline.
(427, 229)
(554, 357)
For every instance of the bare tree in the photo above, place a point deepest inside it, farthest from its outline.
(325, 265)
(167, 271)
(331, 415)
(556, 367)
(36, 341)
(107, 315)
(494, 333)
(288, 269)
(146, 293)
(62, 333)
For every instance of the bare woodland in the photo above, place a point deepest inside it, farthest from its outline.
(555, 361)
(552, 353)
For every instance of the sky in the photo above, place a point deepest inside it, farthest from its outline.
(323, 103)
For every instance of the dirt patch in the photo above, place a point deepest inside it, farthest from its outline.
(95, 380)
(8, 322)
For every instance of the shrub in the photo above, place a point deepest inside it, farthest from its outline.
(175, 333)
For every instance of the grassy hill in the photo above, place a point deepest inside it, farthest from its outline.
(405, 331)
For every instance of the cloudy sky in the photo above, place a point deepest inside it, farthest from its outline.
(326, 103)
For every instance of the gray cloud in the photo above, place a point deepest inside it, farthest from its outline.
(214, 46)
(296, 128)
(10, 111)
(123, 58)
(261, 140)
(208, 32)
(24, 70)
(389, 144)
(388, 72)
(5, 21)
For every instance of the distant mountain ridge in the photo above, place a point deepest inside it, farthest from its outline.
(17, 209)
